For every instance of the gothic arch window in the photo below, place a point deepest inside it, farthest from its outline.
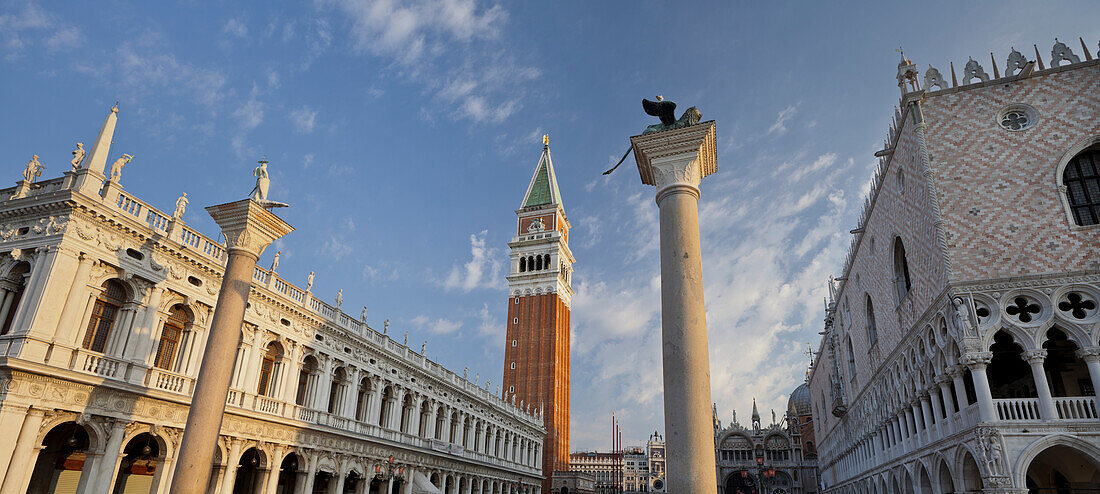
(269, 369)
(851, 360)
(902, 282)
(170, 336)
(1081, 178)
(522, 264)
(872, 328)
(106, 307)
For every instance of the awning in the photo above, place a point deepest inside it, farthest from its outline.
(421, 485)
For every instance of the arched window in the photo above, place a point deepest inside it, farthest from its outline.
(530, 263)
(11, 287)
(522, 264)
(170, 337)
(538, 263)
(106, 307)
(361, 400)
(335, 390)
(1082, 180)
(269, 369)
(546, 260)
(304, 376)
(851, 360)
(902, 282)
(872, 329)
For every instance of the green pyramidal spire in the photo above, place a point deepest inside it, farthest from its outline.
(544, 184)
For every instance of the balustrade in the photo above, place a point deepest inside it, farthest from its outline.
(1017, 408)
(1076, 407)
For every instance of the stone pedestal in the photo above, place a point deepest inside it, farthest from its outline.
(248, 230)
(675, 161)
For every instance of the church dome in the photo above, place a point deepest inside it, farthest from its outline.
(800, 400)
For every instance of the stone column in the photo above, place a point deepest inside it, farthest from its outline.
(675, 161)
(67, 324)
(149, 336)
(104, 480)
(19, 470)
(275, 466)
(1091, 356)
(1035, 359)
(248, 229)
(231, 463)
(948, 404)
(926, 414)
(961, 400)
(976, 362)
(936, 409)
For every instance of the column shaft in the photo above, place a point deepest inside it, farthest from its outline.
(19, 469)
(212, 387)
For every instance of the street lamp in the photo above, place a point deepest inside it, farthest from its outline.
(387, 471)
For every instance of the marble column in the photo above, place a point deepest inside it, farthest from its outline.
(231, 463)
(1035, 359)
(19, 469)
(976, 362)
(275, 465)
(67, 324)
(934, 394)
(248, 228)
(675, 161)
(948, 403)
(104, 480)
(1091, 356)
(961, 400)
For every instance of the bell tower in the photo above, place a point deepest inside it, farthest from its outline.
(536, 354)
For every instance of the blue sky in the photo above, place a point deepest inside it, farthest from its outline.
(404, 134)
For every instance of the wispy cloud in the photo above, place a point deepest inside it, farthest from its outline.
(481, 271)
(437, 325)
(235, 28)
(424, 38)
(780, 126)
(304, 119)
(26, 24)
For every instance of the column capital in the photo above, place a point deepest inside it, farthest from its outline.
(977, 360)
(248, 226)
(1089, 354)
(1035, 357)
(676, 157)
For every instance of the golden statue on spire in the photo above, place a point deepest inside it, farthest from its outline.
(546, 139)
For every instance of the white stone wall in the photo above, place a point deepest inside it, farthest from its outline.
(59, 247)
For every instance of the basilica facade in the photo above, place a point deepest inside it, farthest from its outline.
(105, 306)
(960, 345)
(775, 459)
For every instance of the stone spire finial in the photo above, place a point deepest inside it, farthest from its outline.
(97, 160)
(1038, 58)
(1085, 48)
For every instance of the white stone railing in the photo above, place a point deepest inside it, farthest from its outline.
(100, 365)
(1017, 408)
(169, 381)
(1076, 407)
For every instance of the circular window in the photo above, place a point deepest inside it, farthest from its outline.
(1017, 117)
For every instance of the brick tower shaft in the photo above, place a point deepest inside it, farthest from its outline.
(536, 356)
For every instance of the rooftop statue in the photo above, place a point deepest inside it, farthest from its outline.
(666, 111)
(33, 170)
(78, 156)
(116, 167)
(181, 206)
(263, 182)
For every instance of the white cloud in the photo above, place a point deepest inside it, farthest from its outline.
(235, 28)
(481, 271)
(336, 248)
(780, 126)
(251, 112)
(146, 71)
(451, 47)
(437, 325)
(304, 119)
(21, 29)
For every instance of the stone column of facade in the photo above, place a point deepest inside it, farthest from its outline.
(1035, 359)
(288, 388)
(67, 324)
(675, 161)
(231, 461)
(961, 400)
(248, 229)
(12, 417)
(1091, 356)
(149, 331)
(273, 474)
(18, 473)
(926, 415)
(948, 403)
(104, 479)
(934, 394)
(976, 362)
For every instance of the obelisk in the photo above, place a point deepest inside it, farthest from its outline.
(249, 228)
(675, 161)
